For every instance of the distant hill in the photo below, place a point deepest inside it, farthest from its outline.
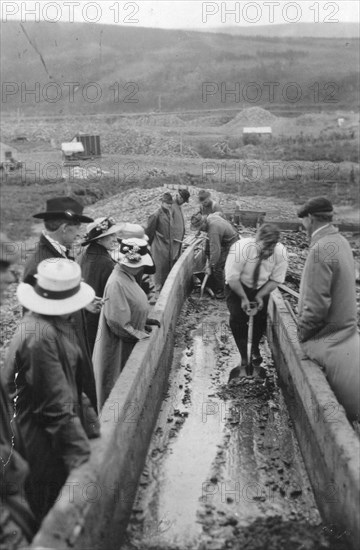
(294, 30)
(85, 68)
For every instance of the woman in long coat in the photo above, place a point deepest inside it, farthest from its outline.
(123, 316)
(97, 263)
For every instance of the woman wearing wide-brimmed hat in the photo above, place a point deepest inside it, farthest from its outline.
(43, 376)
(97, 263)
(123, 318)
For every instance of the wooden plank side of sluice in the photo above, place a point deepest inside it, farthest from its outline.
(329, 445)
(93, 508)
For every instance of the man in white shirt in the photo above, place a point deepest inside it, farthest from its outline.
(255, 266)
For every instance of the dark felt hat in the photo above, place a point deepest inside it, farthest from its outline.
(316, 205)
(64, 207)
(184, 194)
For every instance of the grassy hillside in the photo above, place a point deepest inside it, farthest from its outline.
(167, 63)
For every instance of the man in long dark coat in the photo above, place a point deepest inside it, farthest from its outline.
(43, 375)
(160, 231)
(179, 222)
(62, 219)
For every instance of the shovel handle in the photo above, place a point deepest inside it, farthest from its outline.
(204, 285)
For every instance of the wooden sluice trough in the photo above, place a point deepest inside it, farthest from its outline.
(254, 218)
(94, 506)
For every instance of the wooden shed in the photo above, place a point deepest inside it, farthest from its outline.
(90, 143)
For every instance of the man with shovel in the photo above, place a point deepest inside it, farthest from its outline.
(255, 266)
(221, 235)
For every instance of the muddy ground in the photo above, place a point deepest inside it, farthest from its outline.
(224, 469)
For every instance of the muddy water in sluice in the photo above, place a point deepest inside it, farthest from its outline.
(223, 468)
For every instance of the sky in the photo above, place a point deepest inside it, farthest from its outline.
(185, 14)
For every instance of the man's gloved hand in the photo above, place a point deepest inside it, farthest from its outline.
(147, 329)
(153, 322)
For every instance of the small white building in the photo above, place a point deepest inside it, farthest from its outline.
(72, 149)
(258, 130)
(340, 122)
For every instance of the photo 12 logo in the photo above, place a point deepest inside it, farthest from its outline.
(126, 13)
(270, 92)
(53, 92)
(269, 12)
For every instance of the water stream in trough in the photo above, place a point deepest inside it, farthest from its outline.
(224, 469)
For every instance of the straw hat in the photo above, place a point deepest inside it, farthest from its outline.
(134, 253)
(58, 289)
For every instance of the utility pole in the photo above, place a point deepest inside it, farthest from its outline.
(159, 103)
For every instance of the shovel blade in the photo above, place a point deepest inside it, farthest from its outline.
(204, 285)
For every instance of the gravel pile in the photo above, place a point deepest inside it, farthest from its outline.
(253, 116)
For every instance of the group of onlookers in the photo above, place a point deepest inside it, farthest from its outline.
(82, 319)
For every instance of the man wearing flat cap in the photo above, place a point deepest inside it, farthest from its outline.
(160, 230)
(327, 326)
(62, 219)
(182, 197)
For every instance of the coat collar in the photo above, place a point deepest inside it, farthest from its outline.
(328, 230)
(45, 243)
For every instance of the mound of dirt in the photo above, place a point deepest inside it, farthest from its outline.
(253, 116)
